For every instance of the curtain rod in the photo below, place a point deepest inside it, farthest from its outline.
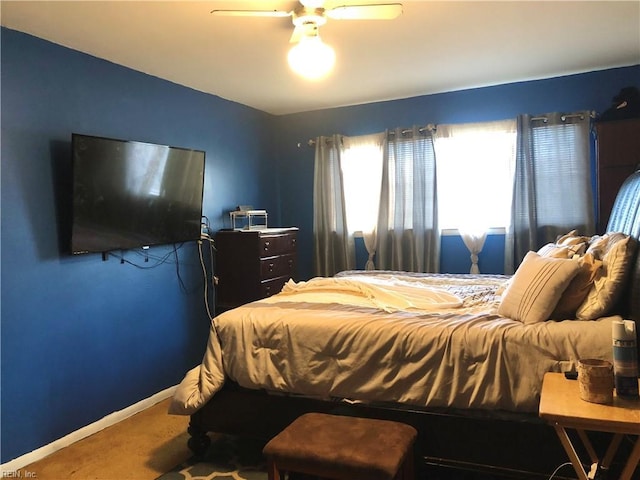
(427, 128)
(544, 118)
(311, 142)
(432, 127)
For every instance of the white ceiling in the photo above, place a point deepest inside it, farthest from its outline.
(432, 47)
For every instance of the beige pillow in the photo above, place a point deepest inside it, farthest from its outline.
(577, 243)
(566, 236)
(536, 288)
(616, 251)
(578, 288)
(556, 251)
(598, 244)
(572, 238)
(566, 246)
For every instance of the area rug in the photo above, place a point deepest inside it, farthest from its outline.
(228, 458)
(240, 458)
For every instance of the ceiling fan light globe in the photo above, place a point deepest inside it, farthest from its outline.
(311, 58)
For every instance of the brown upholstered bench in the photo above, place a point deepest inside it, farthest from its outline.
(342, 448)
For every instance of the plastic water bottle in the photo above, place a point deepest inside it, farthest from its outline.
(625, 358)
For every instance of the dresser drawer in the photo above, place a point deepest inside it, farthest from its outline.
(271, 245)
(273, 286)
(271, 267)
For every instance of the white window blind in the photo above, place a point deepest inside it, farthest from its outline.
(562, 174)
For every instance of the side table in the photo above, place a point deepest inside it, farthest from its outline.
(562, 407)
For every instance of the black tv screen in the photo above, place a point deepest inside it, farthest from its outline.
(130, 194)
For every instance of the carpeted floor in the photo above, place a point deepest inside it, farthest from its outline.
(153, 445)
(141, 447)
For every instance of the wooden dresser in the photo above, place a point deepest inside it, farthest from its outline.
(618, 155)
(253, 264)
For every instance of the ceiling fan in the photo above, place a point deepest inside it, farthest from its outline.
(312, 14)
(307, 17)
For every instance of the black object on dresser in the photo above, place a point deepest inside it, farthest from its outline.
(253, 264)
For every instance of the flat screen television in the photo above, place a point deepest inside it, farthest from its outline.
(129, 194)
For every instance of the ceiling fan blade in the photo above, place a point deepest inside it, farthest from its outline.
(251, 13)
(384, 11)
(312, 3)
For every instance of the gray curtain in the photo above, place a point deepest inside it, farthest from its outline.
(552, 186)
(408, 235)
(334, 248)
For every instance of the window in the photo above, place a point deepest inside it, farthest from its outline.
(475, 166)
(401, 191)
(561, 172)
(361, 165)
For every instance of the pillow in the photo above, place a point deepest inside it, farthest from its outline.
(598, 244)
(572, 238)
(616, 251)
(536, 288)
(566, 236)
(578, 288)
(566, 246)
(554, 250)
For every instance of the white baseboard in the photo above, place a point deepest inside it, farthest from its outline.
(111, 419)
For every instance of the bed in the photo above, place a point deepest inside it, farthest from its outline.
(460, 357)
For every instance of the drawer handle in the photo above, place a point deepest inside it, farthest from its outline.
(290, 263)
(271, 265)
(266, 245)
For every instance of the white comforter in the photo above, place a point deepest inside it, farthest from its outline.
(423, 341)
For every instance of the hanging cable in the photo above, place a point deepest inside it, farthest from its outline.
(206, 237)
(206, 281)
(555, 472)
(158, 260)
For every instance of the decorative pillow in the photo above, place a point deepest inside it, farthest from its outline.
(566, 236)
(553, 250)
(566, 246)
(598, 244)
(578, 243)
(616, 251)
(578, 288)
(536, 287)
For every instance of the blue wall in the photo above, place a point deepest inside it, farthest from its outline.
(590, 91)
(82, 338)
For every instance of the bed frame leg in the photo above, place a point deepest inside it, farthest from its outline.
(199, 441)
